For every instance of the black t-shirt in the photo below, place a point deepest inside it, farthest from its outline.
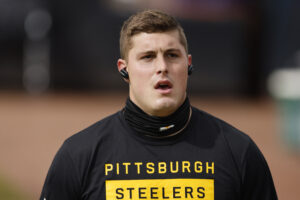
(208, 160)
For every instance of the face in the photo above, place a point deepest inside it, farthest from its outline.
(157, 65)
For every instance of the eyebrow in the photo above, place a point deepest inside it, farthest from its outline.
(145, 53)
(151, 52)
(173, 49)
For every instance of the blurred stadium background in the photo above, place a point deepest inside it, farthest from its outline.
(58, 75)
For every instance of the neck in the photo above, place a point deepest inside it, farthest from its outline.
(154, 126)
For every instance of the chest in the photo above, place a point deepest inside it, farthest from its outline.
(180, 171)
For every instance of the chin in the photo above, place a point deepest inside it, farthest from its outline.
(166, 106)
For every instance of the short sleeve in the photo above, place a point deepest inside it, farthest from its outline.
(257, 182)
(62, 181)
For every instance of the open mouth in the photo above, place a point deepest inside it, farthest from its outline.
(163, 85)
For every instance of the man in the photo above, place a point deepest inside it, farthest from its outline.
(158, 146)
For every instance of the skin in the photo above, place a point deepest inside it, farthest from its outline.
(157, 58)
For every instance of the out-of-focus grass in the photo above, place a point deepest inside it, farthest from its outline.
(9, 192)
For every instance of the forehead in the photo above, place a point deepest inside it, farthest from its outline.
(156, 41)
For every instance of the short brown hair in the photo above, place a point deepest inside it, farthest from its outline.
(148, 21)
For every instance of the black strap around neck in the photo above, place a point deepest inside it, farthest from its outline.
(159, 127)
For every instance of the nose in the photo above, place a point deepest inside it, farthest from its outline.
(162, 66)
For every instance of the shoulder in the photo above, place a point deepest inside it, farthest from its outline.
(254, 173)
(224, 128)
(95, 130)
(238, 143)
(78, 151)
(88, 139)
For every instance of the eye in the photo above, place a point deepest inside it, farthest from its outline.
(147, 57)
(172, 55)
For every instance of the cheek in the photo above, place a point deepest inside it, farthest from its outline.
(182, 78)
(139, 78)
(182, 83)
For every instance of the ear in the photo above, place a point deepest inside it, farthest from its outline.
(122, 65)
(189, 59)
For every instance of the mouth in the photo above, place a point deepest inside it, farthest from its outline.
(163, 85)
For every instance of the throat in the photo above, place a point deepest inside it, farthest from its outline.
(158, 127)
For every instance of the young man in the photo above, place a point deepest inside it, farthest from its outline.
(158, 146)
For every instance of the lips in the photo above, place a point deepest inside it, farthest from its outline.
(164, 86)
